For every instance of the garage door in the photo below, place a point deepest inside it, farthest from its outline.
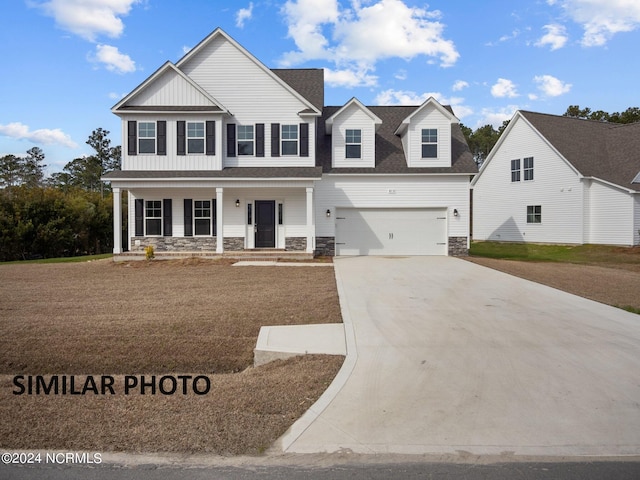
(386, 231)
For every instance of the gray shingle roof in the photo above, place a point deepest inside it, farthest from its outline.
(231, 172)
(390, 156)
(609, 151)
(308, 82)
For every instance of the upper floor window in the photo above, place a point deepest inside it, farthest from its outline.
(515, 170)
(245, 139)
(528, 168)
(153, 217)
(146, 137)
(353, 143)
(289, 139)
(429, 143)
(195, 137)
(202, 217)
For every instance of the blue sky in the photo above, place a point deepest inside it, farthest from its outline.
(67, 62)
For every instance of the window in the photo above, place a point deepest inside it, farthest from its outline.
(245, 139)
(153, 217)
(429, 143)
(289, 139)
(528, 168)
(202, 217)
(146, 137)
(195, 137)
(534, 214)
(515, 170)
(353, 142)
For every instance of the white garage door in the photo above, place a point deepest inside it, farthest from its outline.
(387, 231)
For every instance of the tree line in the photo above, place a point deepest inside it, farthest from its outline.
(69, 213)
(483, 139)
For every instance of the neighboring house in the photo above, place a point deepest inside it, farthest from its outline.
(554, 179)
(222, 154)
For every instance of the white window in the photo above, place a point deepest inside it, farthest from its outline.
(146, 137)
(528, 168)
(195, 137)
(202, 217)
(515, 170)
(245, 139)
(429, 143)
(153, 217)
(289, 139)
(534, 214)
(353, 143)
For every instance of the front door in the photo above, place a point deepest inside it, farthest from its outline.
(265, 224)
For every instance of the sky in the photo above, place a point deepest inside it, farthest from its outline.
(67, 62)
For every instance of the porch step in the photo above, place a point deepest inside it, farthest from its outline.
(260, 254)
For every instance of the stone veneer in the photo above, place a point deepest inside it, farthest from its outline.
(233, 244)
(175, 244)
(297, 244)
(325, 246)
(458, 247)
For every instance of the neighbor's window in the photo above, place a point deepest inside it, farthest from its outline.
(534, 214)
(153, 217)
(515, 170)
(429, 143)
(195, 137)
(289, 139)
(528, 168)
(353, 141)
(146, 137)
(245, 139)
(202, 217)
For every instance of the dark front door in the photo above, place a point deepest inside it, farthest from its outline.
(265, 224)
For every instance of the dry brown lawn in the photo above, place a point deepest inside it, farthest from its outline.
(198, 317)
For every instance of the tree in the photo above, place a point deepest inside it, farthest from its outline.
(33, 168)
(630, 115)
(9, 171)
(482, 140)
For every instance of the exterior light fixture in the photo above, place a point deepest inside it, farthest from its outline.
(328, 213)
(455, 212)
(238, 203)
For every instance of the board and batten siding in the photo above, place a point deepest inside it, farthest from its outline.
(353, 118)
(500, 205)
(610, 215)
(389, 191)
(172, 161)
(171, 89)
(429, 117)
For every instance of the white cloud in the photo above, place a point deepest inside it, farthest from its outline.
(406, 97)
(504, 88)
(88, 18)
(496, 118)
(550, 86)
(43, 136)
(243, 15)
(113, 60)
(357, 38)
(349, 78)
(459, 85)
(556, 37)
(601, 19)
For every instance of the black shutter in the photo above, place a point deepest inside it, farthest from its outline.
(167, 225)
(214, 217)
(304, 139)
(139, 217)
(211, 138)
(162, 137)
(231, 140)
(188, 217)
(259, 139)
(132, 137)
(275, 139)
(181, 138)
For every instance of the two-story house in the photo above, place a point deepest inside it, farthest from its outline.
(222, 154)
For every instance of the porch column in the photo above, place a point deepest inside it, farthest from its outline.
(310, 221)
(219, 221)
(117, 220)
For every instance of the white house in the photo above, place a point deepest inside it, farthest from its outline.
(222, 154)
(555, 179)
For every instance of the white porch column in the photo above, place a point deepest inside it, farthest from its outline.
(219, 221)
(311, 234)
(117, 220)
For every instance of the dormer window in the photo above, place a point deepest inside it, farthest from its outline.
(429, 143)
(353, 143)
(146, 137)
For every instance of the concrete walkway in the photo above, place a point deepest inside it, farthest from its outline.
(445, 356)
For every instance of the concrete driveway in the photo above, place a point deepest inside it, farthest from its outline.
(445, 356)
